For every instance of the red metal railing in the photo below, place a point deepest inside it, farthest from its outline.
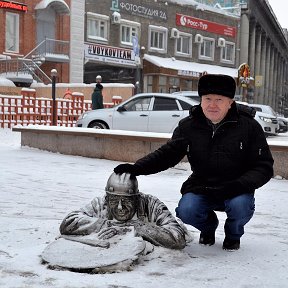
(27, 109)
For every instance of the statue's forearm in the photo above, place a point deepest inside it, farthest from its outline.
(160, 236)
(81, 225)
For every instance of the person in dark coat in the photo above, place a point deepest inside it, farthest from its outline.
(97, 96)
(228, 154)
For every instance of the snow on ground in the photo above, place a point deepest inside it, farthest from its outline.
(39, 188)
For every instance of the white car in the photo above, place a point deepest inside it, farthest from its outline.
(267, 118)
(146, 112)
(191, 94)
(268, 121)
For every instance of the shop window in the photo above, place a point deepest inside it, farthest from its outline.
(228, 53)
(186, 85)
(174, 83)
(162, 84)
(149, 83)
(158, 39)
(206, 49)
(184, 45)
(12, 33)
(97, 27)
(128, 30)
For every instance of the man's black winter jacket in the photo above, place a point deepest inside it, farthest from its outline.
(231, 159)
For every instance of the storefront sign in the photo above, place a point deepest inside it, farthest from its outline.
(142, 10)
(13, 6)
(204, 25)
(189, 73)
(109, 54)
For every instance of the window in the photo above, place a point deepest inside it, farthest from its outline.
(140, 104)
(206, 49)
(165, 104)
(162, 87)
(158, 39)
(149, 83)
(12, 33)
(185, 105)
(228, 53)
(128, 30)
(97, 27)
(184, 45)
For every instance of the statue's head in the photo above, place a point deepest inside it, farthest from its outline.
(122, 196)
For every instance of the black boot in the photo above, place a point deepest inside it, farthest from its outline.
(207, 238)
(229, 244)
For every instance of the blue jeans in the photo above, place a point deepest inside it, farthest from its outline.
(198, 211)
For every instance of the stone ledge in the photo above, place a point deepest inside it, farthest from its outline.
(125, 146)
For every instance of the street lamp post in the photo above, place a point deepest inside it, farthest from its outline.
(54, 104)
(139, 76)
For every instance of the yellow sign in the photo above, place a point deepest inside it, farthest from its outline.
(258, 80)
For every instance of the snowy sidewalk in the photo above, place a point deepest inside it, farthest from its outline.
(39, 188)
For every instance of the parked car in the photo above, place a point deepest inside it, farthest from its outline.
(267, 118)
(283, 124)
(148, 112)
(191, 94)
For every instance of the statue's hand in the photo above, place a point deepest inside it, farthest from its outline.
(109, 232)
(140, 227)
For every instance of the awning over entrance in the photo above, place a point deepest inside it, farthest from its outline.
(59, 6)
(189, 68)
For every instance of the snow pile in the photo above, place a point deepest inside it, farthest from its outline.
(39, 188)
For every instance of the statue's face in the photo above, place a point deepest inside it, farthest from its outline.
(122, 208)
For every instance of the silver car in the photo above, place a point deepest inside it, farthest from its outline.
(146, 112)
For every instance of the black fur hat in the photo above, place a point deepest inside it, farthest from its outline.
(217, 84)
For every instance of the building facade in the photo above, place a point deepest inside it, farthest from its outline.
(36, 36)
(160, 46)
(157, 45)
(264, 46)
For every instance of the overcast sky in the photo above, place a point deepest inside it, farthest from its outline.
(280, 9)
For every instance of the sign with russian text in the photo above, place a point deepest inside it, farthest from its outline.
(13, 6)
(146, 10)
(204, 25)
(189, 73)
(109, 54)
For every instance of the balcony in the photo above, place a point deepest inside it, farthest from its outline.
(28, 68)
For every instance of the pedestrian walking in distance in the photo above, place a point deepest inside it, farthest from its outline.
(97, 96)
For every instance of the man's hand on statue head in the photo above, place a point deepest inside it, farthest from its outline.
(127, 168)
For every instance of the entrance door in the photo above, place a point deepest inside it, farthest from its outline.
(46, 22)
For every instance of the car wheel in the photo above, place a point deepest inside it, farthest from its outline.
(97, 125)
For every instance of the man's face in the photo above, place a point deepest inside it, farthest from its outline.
(122, 208)
(215, 107)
